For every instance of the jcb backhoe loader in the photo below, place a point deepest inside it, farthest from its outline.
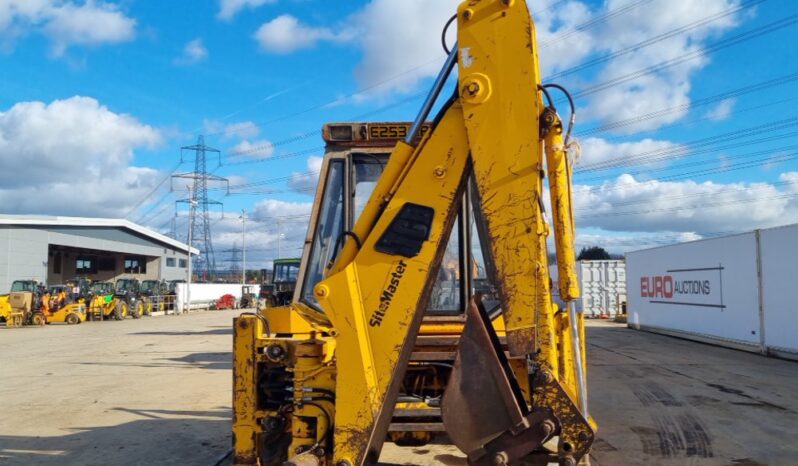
(386, 337)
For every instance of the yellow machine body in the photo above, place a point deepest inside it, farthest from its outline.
(365, 353)
(100, 308)
(12, 317)
(73, 313)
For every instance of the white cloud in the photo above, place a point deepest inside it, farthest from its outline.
(560, 43)
(285, 34)
(274, 209)
(722, 110)
(72, 157)
(193, 52)
(289, 220)
(401, 42)
(629, 204)
(306, 182)
(238, 130)
(598, 150)
(65, 23)
(89, 24)
(242, 129)
(260, 149)
(667, 87)
(622, 242)
(229, 8)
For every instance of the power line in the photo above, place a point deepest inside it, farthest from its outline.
(721, 44)
(654, 40)
(664, 153)
(164, 180)
(584, 26)
(771, 27)
(692, 207)
(594, 21)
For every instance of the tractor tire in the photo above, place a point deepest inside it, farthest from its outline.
(120, 311)
(72, 319)
(137, 310)
(38, 319)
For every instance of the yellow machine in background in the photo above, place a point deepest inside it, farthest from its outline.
(423, 303)
(16, 308)
(56, 306)
(102, 303)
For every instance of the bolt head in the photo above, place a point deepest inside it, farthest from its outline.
(275, 351)
(500, 459)
(321, 291)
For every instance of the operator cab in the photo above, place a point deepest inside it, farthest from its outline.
(126, 285)
(102, 288)
(22, 286)
(355, 156)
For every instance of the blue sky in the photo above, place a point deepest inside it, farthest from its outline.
(96, 98)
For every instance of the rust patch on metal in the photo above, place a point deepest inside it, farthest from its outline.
(353, 436)
(521, 341)
(576, 434)
(483, 407)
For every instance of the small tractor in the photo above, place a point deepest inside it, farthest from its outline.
(281, 290)
(248, 297)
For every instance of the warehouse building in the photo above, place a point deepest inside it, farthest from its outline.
(55, 249)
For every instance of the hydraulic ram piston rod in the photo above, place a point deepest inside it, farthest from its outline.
(432, 96)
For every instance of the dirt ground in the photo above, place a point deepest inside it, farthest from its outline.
(157, 391)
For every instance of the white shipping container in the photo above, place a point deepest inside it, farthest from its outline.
(602, 284)
(778, 255)
(706, 290)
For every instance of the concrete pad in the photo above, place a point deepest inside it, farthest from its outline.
(157, 391)
(664, 401)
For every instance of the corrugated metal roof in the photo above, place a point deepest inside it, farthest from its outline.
(46, 220)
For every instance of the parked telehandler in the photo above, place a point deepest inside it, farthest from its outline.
(102, 304)
(59, 303)
(128, 301)
(385, 338)
(153, 295)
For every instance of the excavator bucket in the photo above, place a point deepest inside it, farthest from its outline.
(483, 408)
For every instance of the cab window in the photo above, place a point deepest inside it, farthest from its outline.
(330, 226)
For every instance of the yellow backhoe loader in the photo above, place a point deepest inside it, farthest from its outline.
(423, 302)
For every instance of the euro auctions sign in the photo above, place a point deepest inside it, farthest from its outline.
(699, 287)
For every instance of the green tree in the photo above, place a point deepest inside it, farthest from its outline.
(593, 253)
